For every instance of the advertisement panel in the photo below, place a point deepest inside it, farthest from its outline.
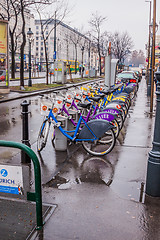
(3, 53)
(11, 179)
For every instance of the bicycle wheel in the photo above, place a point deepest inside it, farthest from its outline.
(43, 135)
(102, 146)
(120, 121)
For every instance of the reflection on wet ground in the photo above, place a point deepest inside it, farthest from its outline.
(103, 193)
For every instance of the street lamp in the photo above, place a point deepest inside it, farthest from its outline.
(147, 75)
(152, 49)
(29, 35)
(153, 30)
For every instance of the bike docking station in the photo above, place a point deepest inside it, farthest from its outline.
(60, 139)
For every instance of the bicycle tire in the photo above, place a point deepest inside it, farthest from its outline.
(102, 146)
(120, 121)
(43, 135)
(53, 138)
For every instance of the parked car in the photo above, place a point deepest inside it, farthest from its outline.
(143, 72)
(139, 75)
(127, 76)
(2, 75)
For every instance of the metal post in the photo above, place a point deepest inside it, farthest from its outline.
(82, 49)
(147, 75)
(25, 131)
(153, 55)
(30, 66)
(55, 38)
(150, 74)
(153, 171)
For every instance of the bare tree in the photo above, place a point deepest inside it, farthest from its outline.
(24, 5)
(75, 38)
(96, 23)
(137, 57)
(10, 13)
(52, 19)
(121, 45)
(83, 46)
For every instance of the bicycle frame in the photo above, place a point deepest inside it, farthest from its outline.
(65, 132)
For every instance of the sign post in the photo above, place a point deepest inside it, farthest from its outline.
(4, 63)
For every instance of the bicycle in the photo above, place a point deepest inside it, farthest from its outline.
(96, 136)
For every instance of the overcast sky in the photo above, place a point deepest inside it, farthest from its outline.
(124, 15)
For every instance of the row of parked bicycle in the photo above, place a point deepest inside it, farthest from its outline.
(95, 113)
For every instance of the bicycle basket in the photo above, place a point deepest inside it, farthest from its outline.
(45, 107)
(58, 103)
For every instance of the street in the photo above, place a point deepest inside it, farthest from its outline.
(37, 78)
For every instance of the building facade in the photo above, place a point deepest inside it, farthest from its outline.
(62, 43)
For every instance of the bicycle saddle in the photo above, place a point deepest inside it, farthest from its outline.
(105, 92)
(96, 99)
(84, 105)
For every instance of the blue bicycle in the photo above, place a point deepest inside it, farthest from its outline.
(96, 136)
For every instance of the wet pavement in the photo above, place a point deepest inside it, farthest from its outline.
(96, 197)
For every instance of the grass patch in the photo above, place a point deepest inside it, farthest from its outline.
(43, 86)
(35, 87)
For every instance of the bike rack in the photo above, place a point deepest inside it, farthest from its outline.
(31, 196)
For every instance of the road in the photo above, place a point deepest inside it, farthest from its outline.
(40, 78)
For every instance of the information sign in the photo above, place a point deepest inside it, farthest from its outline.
(11, 179)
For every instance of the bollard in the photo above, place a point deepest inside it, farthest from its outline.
(153, 171)
(25, 131)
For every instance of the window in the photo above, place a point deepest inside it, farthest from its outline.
(36, 43)
(41, 53)
(46, 32)
(36, 54)
(37, 27)
(41, 43)
(37, 38)
(41, 48)
(41, 38)
(37, 32)
(36, 48)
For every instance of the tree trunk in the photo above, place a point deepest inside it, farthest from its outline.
(12, 55)
(99, 55)
(46, 57)
(76, 61)
(22, 47)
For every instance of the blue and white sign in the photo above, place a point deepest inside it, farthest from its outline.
(11, 179)
(54, 55)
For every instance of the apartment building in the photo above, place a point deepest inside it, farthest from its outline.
(63, 43)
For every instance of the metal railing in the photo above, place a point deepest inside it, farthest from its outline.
(31, 196)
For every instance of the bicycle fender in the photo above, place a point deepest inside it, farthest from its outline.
(105, 116)
(97, 126)
(129, 88)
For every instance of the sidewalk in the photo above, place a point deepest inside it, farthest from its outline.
(106, 204)
(98, 198)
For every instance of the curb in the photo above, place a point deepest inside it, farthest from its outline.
(30, 94)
